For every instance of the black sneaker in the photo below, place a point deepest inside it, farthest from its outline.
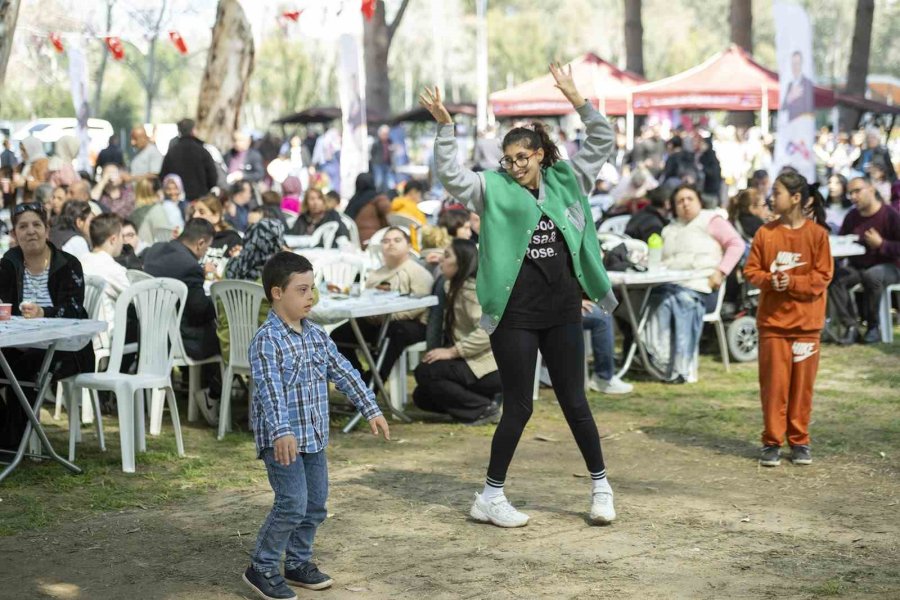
(491, 415)
(269, 586)
(770, 456)
(308, 576)
(800, 455)
(873, 336)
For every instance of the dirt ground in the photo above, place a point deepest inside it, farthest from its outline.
(696, 520)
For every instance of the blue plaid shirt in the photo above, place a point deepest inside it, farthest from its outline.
(291, 371)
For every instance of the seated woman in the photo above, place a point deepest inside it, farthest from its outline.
(72, 229)
(368, 208)
(314, 214)
(149, 214)
(263, 239)
(747, 212)
(838, 204)
(39, 280)
(400, 273)
(460, 378)
(227, 241)
(113, 193)
(174, 201)
(698, 239)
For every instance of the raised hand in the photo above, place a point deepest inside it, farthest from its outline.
(431, 100)
(565, 83)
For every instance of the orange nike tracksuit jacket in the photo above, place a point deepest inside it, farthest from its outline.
(789, 324)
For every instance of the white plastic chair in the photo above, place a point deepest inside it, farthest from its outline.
(614, 224)
(241, 301)
(94, 287)
(398, 387)
(324, 235)
(714, 317)
(182, 360)
(350, 224)
(341, 274)
(885, 324)
(159, 304)
(134, 275)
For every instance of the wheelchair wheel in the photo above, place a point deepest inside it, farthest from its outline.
(743, 339)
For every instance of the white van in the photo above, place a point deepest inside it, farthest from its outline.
(50, 130)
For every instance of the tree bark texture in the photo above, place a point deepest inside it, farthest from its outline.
(858, 69)
(741, 20)
(377, 37)
(228, 67)
(634, 37)
(9, 14)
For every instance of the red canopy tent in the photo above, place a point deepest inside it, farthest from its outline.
(604, 84)
(730, 80)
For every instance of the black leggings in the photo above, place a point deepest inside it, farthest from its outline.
(515, 351)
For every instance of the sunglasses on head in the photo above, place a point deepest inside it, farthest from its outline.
(32, 206)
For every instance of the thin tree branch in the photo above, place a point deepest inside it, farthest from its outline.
(392, 28)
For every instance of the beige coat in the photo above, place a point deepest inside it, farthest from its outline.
(409, 278)
(470, 340)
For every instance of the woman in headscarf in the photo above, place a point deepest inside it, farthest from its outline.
(36, 170)
(174, 200)
(60, 166)
(368, 208)
(261, 241)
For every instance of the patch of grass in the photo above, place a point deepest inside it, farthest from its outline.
(832, 587)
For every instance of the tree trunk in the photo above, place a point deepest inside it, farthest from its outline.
(858, 69)
(741, 20)
(634, 37)
(9, 14)
(101, 70)
(228, 67)
(377, 37)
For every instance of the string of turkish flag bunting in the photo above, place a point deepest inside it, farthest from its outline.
(117, 49)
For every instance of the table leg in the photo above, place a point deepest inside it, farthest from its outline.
(376, 383)
(34, 422)
(637, 326)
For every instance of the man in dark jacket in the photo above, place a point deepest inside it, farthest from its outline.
(243, 162)
(178, 259)
(112, 154)
(652, 218)
(188, 159)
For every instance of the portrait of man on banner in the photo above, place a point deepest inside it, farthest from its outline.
(798, 97)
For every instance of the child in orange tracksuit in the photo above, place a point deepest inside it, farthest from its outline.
(790, 262)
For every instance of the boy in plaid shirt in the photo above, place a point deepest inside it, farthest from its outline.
(292, 360)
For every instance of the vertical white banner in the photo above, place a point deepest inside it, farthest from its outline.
(78, 82)
(796, 132)
(352, 88)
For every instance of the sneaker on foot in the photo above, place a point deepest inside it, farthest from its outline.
(610, 386)
(209, 407)
(770, 456)
(873, 336)
(800, 455)
(308, 576)
(491, 415)
(269, 586)
(498, 511)
(602, 510)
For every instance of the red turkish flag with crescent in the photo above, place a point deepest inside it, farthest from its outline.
(57, 42)
(368, 9)
(178, 41)
(293, 15)
(115, 47)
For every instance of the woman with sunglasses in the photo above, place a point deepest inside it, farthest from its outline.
(40, 280)
(539, 256)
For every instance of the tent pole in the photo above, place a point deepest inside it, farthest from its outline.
(629, 124)
(764, 112)
(481, 66)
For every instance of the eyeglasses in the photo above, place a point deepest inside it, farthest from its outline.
(506, 162)
(32, 206)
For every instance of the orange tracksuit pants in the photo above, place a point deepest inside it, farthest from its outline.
(787, 372)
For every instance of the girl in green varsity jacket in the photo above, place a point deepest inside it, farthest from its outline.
(538, 258)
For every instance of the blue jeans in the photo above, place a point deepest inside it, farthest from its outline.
(299, 508)
(602, 342)
(384, 177)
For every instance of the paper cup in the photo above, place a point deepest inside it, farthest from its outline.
(5, 312)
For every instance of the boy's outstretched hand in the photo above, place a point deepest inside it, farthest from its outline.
(286, 450)
(379, 422)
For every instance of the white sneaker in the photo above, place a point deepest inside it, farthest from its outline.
(498, 511)
(602, 510)
(613, 386)
(209, 407)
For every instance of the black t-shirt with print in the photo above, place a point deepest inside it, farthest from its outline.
(546, 292)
